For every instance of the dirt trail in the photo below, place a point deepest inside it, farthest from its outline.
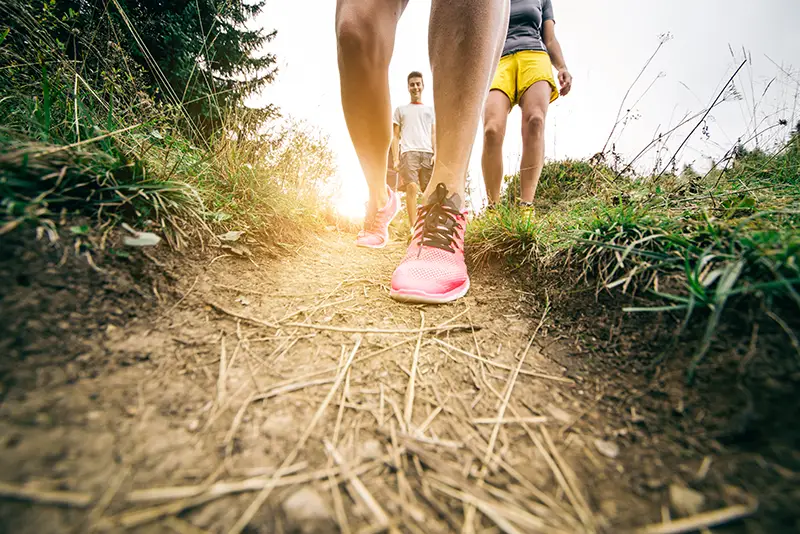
(300, 373)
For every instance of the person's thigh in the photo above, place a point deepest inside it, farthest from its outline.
(535, 102)
(495, 112)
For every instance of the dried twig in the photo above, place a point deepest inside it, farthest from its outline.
(411, 380)
(174, 306)
(223, 370)
(136, 518)
(262, 496)
(700, 521)
(102, 504)
(181, 526)
(355, 330)
(60, 498)
(536, 420)
(247, 318)
(488, 509)
(469, 514)
(171, 493)
(502, 366)
(336, 494)
(274, 392)
(358, 487)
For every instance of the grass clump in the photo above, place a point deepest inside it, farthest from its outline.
(687, 243)
(85, 132)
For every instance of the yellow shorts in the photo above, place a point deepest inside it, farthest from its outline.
(518, 71)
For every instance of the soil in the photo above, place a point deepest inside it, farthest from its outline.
(149, 391)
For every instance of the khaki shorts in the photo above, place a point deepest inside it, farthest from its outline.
(416, 167)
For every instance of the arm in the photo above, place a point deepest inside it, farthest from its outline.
(557, 56)
(396, 146)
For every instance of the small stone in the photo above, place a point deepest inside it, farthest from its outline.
(193, 425)
(609, 508)
(277, 425)
(559, 414)
(654, 483)
(307, 513)
(371, 449)
(609, 449)
(685, 501)
(42, 419)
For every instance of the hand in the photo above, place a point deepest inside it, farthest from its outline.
(433, 160)
(396, 164)
(565, 81)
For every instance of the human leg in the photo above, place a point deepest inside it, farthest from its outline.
(495, 117)
(473, 29)
(409, 175)
(365, 33)
(412, 193)
(433, 270)
(534, 104)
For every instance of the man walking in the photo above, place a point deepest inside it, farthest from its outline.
(414, 144)
(464, 42)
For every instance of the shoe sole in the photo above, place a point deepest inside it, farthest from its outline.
(386, 240)
(420, 297)
(382, 245)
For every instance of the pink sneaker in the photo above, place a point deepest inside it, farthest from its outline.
(433, 271)
(376, 225)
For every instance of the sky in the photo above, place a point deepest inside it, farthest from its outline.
(606, 44)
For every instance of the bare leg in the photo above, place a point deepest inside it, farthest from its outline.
(412, 192)
(464, 41)
(534, 104)
(365, 32)
(495, 117)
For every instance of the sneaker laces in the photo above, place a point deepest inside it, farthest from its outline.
(437, 222)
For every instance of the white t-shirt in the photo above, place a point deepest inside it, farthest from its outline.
(416, 124)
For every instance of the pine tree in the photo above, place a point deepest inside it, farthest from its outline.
(198, 53)
(208, 55)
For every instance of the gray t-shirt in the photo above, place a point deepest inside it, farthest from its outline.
(525, 25)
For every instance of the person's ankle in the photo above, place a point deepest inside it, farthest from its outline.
(381, 199)
(455, 193)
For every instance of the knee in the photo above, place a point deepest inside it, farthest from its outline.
(357, 34)
(493, 133)
(533, 123)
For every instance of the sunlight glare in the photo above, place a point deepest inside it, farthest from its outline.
(351, 193)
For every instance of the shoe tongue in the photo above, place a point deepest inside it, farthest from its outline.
(439, 196)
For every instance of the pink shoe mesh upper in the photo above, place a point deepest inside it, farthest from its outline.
(376, 226)
(427, 267)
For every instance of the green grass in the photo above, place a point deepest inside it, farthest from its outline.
(85, 138)
(689, 244)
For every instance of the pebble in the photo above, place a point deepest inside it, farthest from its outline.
(307, 513)
(609, 449)
(371, 449)
(559, 414)
(685, 501)
(277, 425)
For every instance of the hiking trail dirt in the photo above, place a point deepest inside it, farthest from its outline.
(293, 395)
